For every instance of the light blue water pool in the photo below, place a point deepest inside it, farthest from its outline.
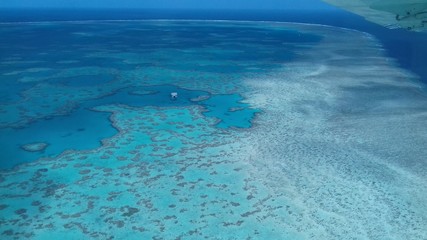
(279, 131)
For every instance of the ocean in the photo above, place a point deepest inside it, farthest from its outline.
(408, 48)
(201, 124)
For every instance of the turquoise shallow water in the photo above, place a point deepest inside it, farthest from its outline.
(230, 111)
(85, 80)
(46, 78)
(81, 130)
(279, 131)
(84, 128)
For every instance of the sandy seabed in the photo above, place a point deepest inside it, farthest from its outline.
(338, 152)
(343, 132)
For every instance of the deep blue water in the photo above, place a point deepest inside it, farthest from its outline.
(195, 167)
(86, 80)
(82, 66)
(409, 48)
(83, 128)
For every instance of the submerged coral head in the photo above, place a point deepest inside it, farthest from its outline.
(35, 147)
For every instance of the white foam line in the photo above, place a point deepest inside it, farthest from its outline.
(184, 20)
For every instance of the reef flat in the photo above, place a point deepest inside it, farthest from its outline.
(308, 132)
